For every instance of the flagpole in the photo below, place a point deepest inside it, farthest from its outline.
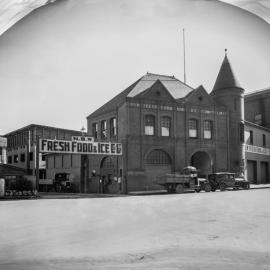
(184, 52)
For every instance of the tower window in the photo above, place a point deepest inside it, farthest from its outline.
(207, 129)
(242, 132)
(193, 128)
(166, 126)
(149, 125)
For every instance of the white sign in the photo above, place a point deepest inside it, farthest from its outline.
(79, 147)
(45, 181)
(82, 138)
(2, 187)
(257, 150)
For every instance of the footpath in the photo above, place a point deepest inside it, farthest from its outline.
(58, 195)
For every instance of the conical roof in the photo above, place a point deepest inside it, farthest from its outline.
(226, 77)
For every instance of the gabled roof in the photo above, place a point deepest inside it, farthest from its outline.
(226, 77)
(176, 88)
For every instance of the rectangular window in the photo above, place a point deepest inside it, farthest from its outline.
(31, 156)
(103, 129)
(9, 159)
(258, 119)
(149, 125)
(251, 137)
(193, 128)
(207, 130)
(95, 130)
(16, 158)
(43, 158)
(264, 140)
(23, 157)
(113, 128)
(166, 126)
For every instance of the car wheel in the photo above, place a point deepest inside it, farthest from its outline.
(179, 189)
(207, 187)
(222, 187)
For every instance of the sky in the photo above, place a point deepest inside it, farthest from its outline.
(64, 60)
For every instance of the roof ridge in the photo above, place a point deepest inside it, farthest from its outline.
(257, 91)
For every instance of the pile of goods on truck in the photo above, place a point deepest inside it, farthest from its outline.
(187, 180)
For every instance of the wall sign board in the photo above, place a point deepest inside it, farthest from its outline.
(79, 147)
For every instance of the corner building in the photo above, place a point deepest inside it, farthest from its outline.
(165, 125)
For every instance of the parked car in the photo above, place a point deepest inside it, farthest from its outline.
(224, 180)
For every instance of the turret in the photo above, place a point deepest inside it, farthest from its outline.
(228, 92)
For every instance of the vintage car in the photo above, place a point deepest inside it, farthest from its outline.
(224, 180)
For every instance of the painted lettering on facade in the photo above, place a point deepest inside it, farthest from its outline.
(79, 147)
(257, 150)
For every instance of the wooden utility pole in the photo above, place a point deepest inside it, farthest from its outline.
(37, 162)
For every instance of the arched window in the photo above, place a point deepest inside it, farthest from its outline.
(193, 128)
(207, 129)
(158, 157)
(149, 125)
(107, 163)
(165, 126)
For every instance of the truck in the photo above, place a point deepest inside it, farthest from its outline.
(187, 180)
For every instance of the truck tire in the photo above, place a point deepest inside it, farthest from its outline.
(179, 189)
(207, 187)
(222, 187)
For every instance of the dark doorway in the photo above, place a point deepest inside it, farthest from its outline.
(201, 161)
(264, 173)
(252, 171)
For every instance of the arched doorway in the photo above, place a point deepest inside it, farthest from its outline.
(202, 161)
(157, 163)
(108, 176)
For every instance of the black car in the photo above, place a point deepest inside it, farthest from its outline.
(224, 180)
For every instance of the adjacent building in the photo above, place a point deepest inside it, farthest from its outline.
(3, 150)
(22, 151)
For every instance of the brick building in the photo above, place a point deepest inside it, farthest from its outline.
(21, 150)
(165, 125)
